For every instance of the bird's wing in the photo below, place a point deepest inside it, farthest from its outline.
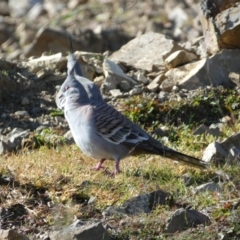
(114, 127)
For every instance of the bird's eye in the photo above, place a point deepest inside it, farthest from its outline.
(66, 88)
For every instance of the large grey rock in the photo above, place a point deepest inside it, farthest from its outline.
(183, 219)
(214, 70)
(142, 203)
(146, 52)
(227, 150)
(82, 231)
(220, 22)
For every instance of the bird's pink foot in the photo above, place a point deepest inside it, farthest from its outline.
(99, 165)
(117, 169)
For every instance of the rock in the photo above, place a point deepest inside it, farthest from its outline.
(161, 132)
(215, 129)
(235, 78)
(175, 89)
(146, 52)
(227, 150)
(154, 85)
(183, 219)
(21, 7)
(3, 147)
(49, 40)
(163, 96)
(82, 230)
(179, 58)
(4, 9)
(72, 4)
(143, 203)
(15, 138)
(99, 80)
(92, 200)
(220, 22)
(214, 70)
(214, 152)
(202, 129)
(52, 62)
(125, 86)
(36, 11)
(116, 93)
(111, 68)
(25, 101)
(21, 114)
(11, 234)
(178, 16)
(210, 186)
(69, 138)
(135, 91)
(110, 83)
(141, 78)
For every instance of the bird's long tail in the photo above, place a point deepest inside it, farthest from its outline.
(189, 160)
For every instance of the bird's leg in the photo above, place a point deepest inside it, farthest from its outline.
(117, 168)
(99, 165)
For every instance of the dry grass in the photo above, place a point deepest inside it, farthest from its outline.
(68, 167)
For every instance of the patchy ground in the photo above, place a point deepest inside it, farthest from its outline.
(48, 188)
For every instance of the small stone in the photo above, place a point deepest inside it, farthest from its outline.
(25, 101)
(163, 96)
(210, 186)
(153, 86)
(99, 80)
(215, 129)
(69, 138)
(142, 78)
(110, 83)
(21, 114)
(125, 86)
(201, 130)
(116, 93)
(136, 91)
(92, 200)
(175, 89)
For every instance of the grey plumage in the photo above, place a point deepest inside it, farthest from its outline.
(101, 131)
